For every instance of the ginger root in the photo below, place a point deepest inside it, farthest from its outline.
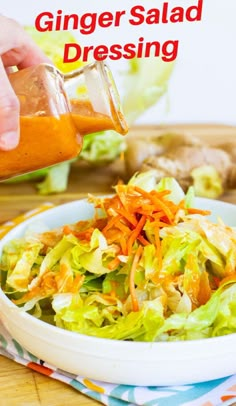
(182, 161)
(140, 149)
(179, 155)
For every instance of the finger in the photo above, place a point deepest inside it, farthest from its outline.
(33, 56)
(9, 113)
(9, 34)
(17, 47)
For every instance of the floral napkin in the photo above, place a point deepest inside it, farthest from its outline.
(213, 393)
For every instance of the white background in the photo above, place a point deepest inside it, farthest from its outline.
(203, 85)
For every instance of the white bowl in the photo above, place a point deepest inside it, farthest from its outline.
(131, 363)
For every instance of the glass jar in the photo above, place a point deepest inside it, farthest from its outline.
(56, 111)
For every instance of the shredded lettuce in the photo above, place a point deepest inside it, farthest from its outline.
(89, 319)
(145, 180)
(217, 317)
(177, 193)
(19, 257)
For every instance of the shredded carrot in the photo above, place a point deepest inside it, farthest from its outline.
(134, 299)
(37, 291)
(164, 207)
(123, 245)
(146, 209)
(157, 216)
(113, 236)
(77, 283)
(113, 264)
(230, 270)
(84, 235)
(113, 294)
(204, 289)
(122, 227)
(129, 216)
(191, 279)
(111, 223)
(229, 278)
(216, 280)
(181, 204)
(158, 246)
(159, 224)
(143, 240)
(153, 192)
(228, 397)
(192, 210)
(66, 230)
(129, 210)
(110, 298)
(135, 233)
(63, 278)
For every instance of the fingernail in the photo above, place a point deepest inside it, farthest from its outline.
(9, 140)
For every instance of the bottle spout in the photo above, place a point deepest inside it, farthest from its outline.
(92, 93)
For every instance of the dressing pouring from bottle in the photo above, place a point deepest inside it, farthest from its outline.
(57, 111)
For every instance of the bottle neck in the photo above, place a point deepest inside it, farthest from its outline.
(93, 94)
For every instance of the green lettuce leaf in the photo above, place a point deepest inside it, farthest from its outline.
(144, 180)
(102, 147)
(217, 317)
(177, 194)
(55, 180)
(18, 260)
(90, 319)
(95, 256)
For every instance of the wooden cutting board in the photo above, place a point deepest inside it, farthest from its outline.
(19, 385)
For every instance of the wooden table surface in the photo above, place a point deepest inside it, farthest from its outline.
(20, 386)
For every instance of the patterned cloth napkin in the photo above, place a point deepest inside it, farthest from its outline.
(214, 393)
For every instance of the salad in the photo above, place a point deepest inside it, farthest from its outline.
(148, 266)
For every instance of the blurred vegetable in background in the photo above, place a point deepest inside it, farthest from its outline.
(145, 82)
(53, 44)
(56, 179)
(207, 182)
(103, 147)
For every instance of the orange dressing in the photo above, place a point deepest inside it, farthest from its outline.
(89, 121)
(48, 140)
(44, 141)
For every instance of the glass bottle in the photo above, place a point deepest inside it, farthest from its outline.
(56, 111)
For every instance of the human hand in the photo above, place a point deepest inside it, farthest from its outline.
(16, 49)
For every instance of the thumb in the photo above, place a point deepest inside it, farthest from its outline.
(9, 113)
